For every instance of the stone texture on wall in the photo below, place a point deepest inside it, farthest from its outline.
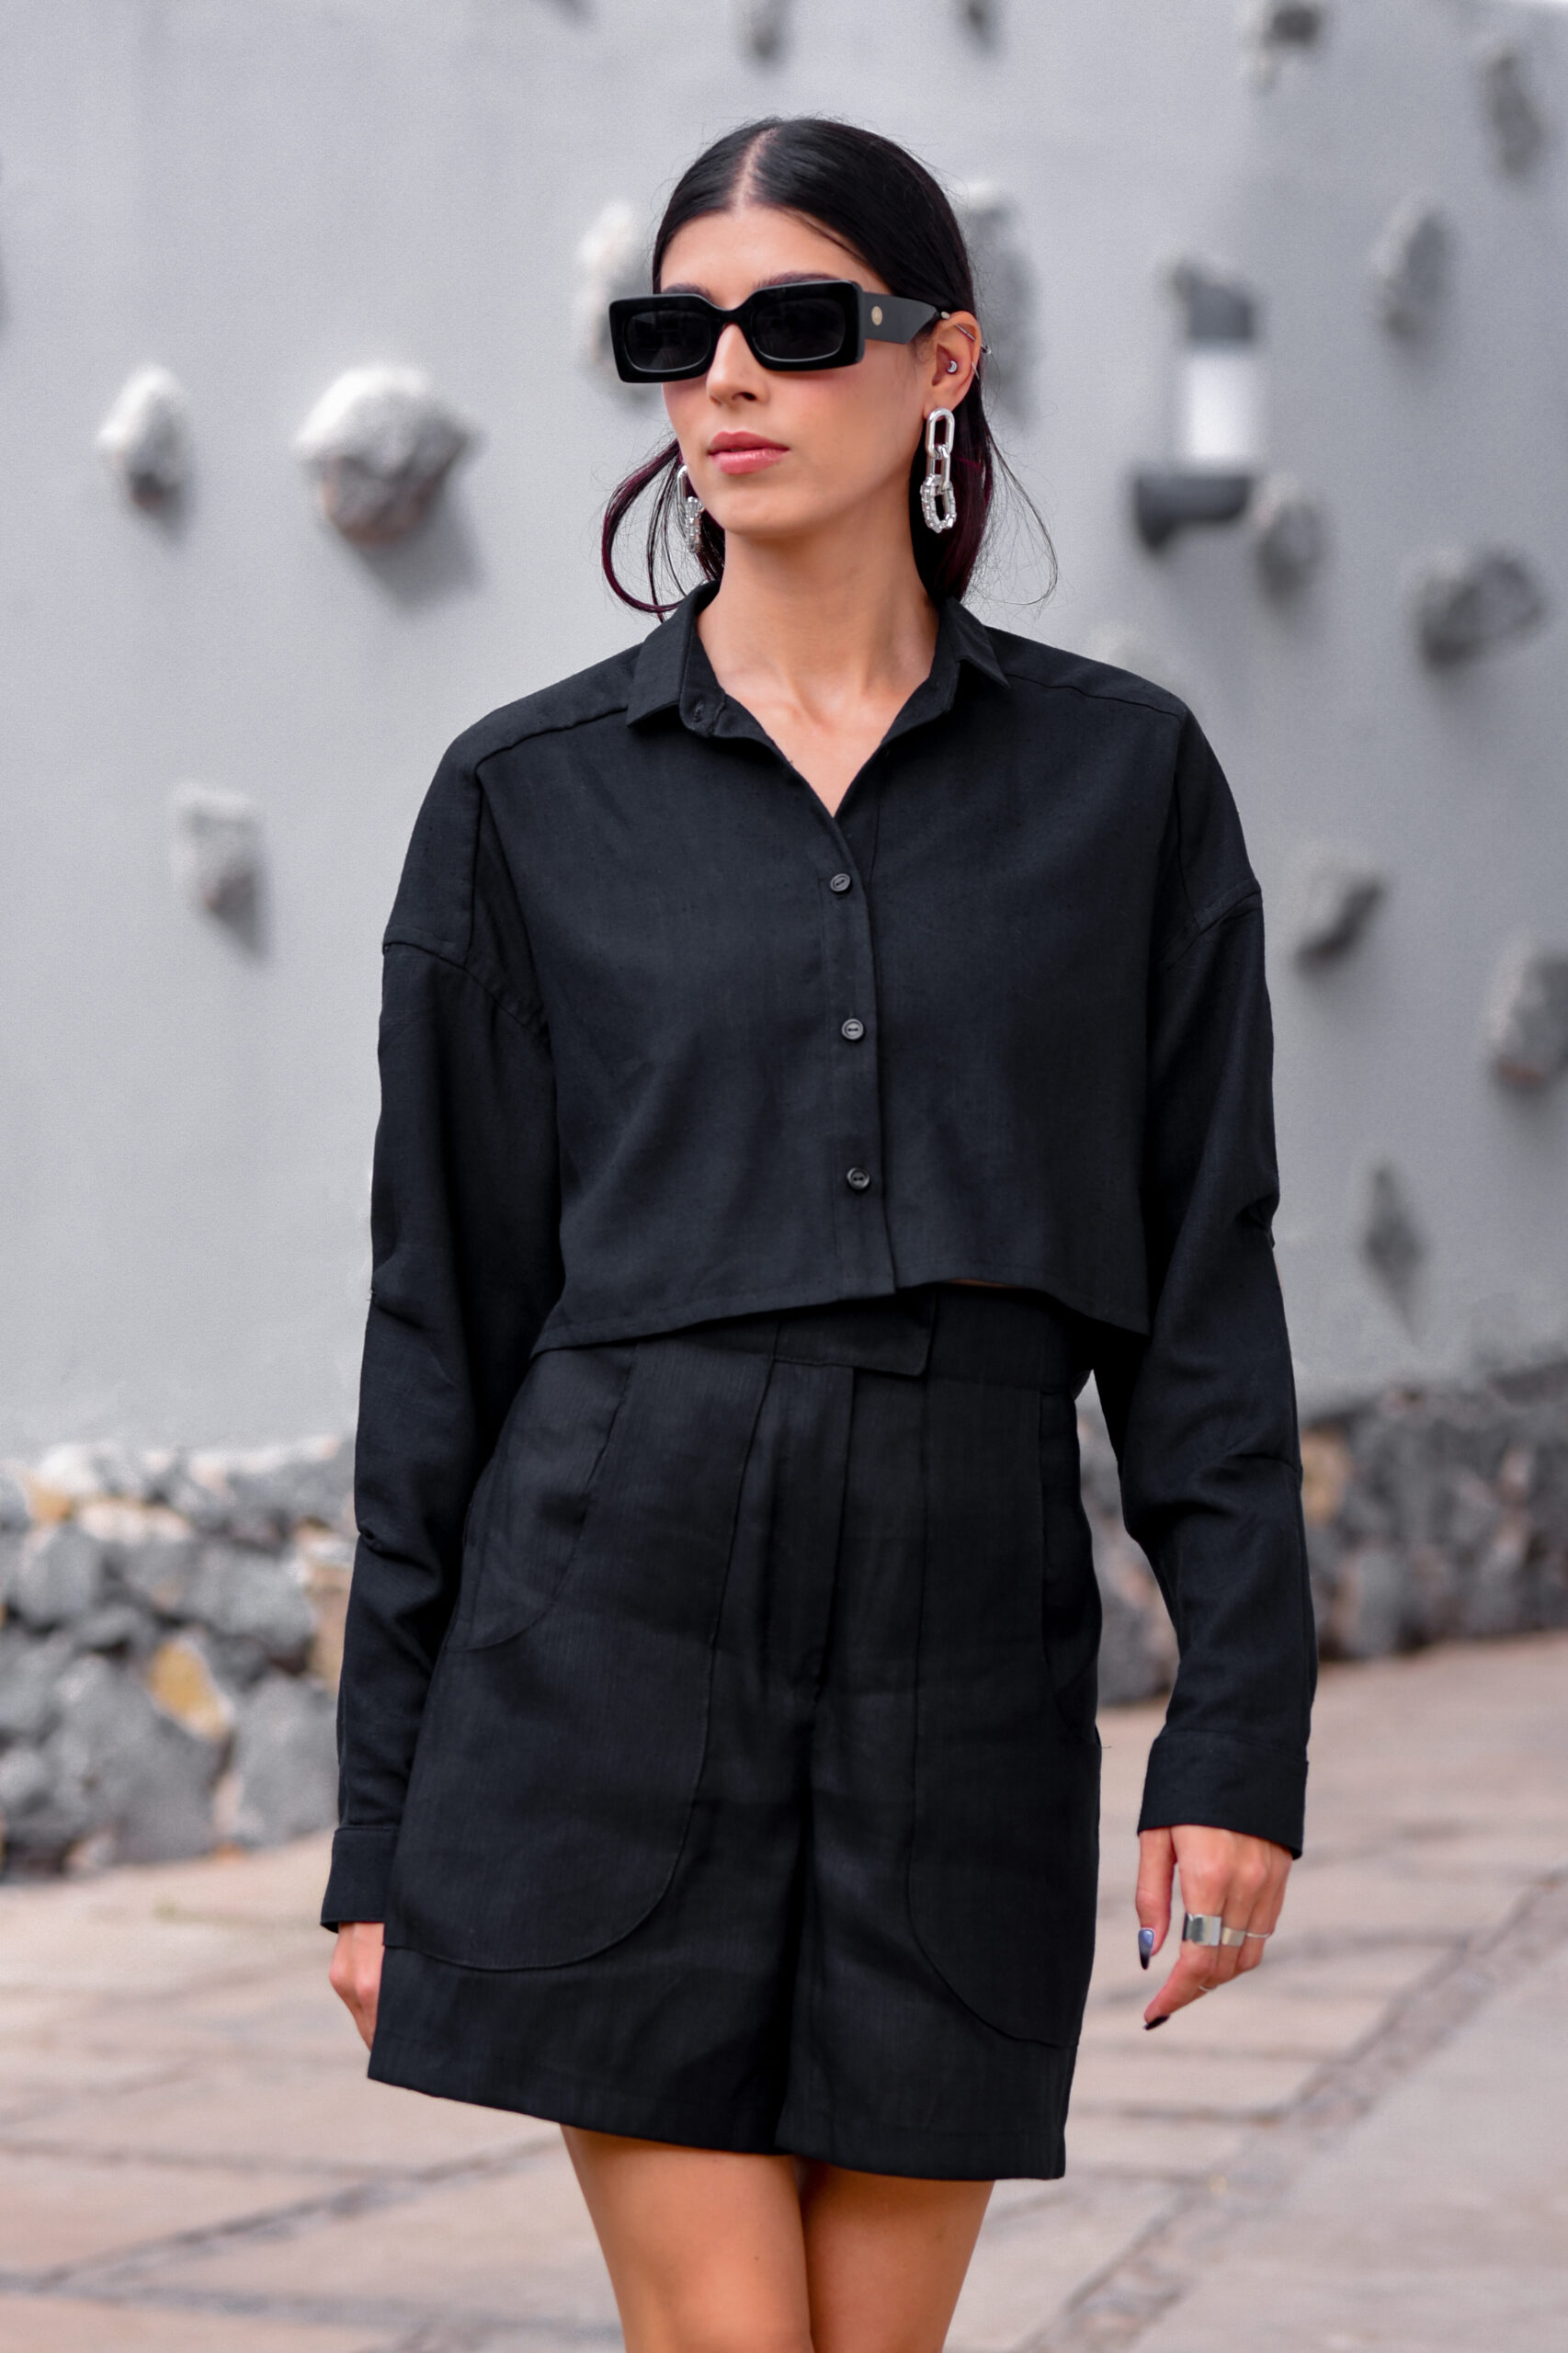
(1431, 1515)
(169, 1649)
(172, 1622)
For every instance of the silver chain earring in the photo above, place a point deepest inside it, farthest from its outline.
(691, 511)
(939, 500)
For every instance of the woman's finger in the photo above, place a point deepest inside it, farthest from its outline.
(1194, 1975)
(1156, 1867)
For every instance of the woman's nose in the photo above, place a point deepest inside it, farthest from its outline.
(732, 369)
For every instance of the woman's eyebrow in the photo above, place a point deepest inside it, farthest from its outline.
(783, 278)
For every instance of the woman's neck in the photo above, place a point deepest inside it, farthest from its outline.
(822, 628)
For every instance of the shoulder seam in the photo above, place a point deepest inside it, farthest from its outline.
(1234, 901)
(531, 1023)
(547, 727)
(1100, 694)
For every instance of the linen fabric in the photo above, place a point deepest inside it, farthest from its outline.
(756, 1799)
(664, 1040)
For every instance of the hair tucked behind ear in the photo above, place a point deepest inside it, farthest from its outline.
(875, 198)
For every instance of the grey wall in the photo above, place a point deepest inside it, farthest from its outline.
(259, 194)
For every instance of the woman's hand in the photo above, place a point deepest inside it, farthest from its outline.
(355, 1973)
(1242, 1879)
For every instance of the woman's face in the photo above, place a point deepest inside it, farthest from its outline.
(775, 456)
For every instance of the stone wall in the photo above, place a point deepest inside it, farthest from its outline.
(170, 1645)
(1431, 1515)
(173, 1621)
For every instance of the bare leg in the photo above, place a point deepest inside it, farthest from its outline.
(886, 2257)
(713, 2253)
(704, 2248)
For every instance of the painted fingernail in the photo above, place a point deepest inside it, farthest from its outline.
(1150, 2024)
(1145, 1947)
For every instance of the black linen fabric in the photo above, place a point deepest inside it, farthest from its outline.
(756, 1799)
(663, 1040)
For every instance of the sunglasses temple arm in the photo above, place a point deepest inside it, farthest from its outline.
(902, 318)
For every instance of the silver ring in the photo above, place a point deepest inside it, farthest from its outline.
(1209, 1929)
(1260, 1933)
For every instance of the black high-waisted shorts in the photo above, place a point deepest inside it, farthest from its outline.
(755, 1801)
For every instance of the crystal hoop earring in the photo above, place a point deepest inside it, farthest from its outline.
(691, 511)
(939, 500)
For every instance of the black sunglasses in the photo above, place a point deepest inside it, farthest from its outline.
(821, 322)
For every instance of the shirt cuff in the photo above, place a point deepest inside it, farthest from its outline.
(362, 1868)
(1228, 1784)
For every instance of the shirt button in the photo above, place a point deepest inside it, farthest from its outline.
(852, 1028)
(858, 1178)
(839, 881)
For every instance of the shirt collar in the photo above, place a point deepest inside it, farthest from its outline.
(673, 672)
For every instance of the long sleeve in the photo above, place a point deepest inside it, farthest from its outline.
(464, 1221)
(1202, 1412)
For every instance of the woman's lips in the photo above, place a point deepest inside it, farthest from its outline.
(749, 459)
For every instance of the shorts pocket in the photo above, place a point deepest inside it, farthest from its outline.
(556, 1763)
(1005, 1852)
(532, 1500)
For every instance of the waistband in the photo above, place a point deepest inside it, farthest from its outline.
(1007, 1338)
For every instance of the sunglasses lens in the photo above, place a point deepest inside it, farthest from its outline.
(803, 330)
(665, 339)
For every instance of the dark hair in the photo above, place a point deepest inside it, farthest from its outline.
(889, 212)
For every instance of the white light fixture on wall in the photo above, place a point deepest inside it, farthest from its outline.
(1218, 428)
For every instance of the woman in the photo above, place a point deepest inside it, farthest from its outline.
(813, 1041)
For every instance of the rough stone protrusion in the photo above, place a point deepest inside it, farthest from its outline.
(152, 1551)
(16, 1512)
(981, 17)
(762, 28)
(1335, 894)
(30, 1670)
(79, 1472)
(120, 1627)
(1393, 1242)
(57, 1575)
(251, 1599)
(179, 1679)
(24, 1785)
(1269, 28)
(1289, 533)
(380, 444)
(1514, 115)
(1004, 293)
(1411, 265)
(146, 436)
(612, 261)
(285, 1764)
(216, 850)
(280, 1484)
(1527, 1014)
(123, 1770)
(1468, 600)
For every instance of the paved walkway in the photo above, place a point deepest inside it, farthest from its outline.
(1361, 2145)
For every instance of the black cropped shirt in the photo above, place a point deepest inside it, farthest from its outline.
(663, 1040)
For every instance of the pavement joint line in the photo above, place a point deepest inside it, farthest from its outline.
(171, 2161)
(107, 2274)
(420, 2325)
(1115, 2307)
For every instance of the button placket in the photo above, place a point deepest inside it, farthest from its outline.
(865, 1250)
